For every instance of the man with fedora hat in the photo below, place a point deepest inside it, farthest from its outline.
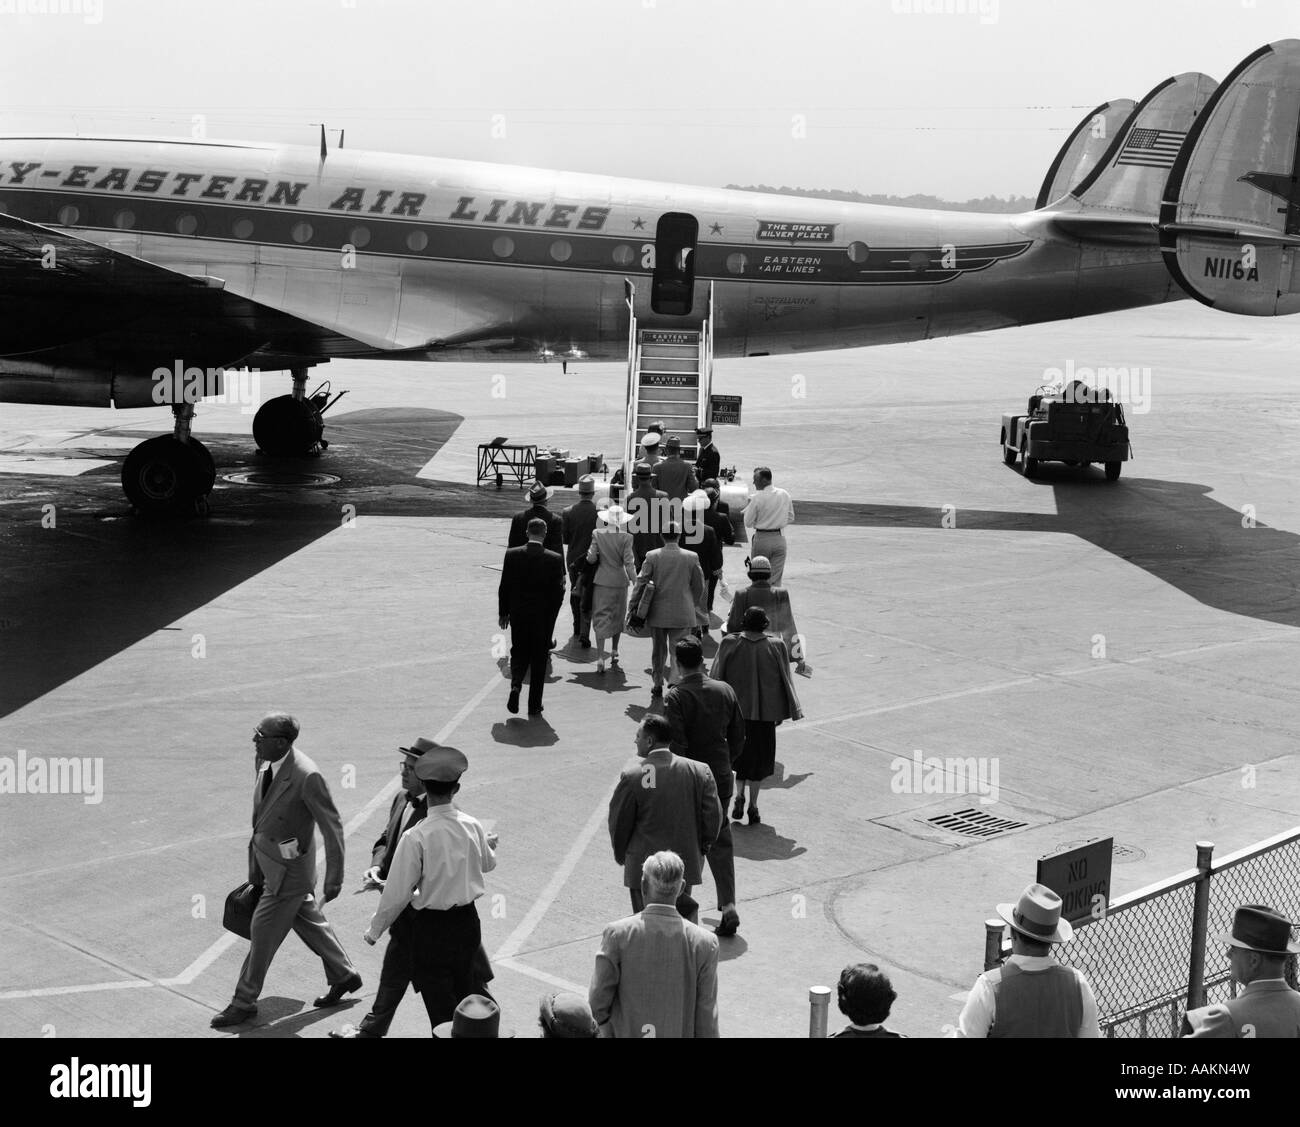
(708, 461)
(475, 1016)
(648, 511)
(675, 475)
(437, 872)
(1031, 994)
(538, 495)
(577, 523)
(409, 807)
(1259, 945)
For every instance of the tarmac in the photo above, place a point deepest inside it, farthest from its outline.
(1123, 654)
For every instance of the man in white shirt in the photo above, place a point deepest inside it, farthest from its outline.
(1032, 995)
(766, 515)
(437, 872)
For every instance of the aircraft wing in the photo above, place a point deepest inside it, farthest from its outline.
(69, 301)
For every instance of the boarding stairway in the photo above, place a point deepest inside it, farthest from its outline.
(669, 380)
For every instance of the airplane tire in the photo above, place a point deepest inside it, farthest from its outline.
(165, 477)
(1112, 470)
(287, 427)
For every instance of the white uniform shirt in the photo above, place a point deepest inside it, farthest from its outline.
(439, 863)
(769, 508)
(978, 1014)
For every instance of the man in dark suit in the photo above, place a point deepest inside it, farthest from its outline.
(699, 537)
(577, 523)
(1259, 945)
(719, 513)
(707, 726)
(528, 600)
(537, 510)
(649, 512)
(662, 801)
(290, 799)
(674, 474)
(708, 462)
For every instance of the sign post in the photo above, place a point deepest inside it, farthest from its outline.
(724, 410)
(1081, 878)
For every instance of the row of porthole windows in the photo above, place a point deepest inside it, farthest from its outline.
(503, 246)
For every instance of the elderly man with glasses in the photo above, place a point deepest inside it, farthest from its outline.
(290, 799)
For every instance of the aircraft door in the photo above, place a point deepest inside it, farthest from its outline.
(672, 290)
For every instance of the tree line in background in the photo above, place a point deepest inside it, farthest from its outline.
(1012, 204)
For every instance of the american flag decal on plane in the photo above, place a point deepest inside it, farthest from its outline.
(1153, 148)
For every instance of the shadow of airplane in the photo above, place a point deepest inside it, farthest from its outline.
(97, 583)
(1172, 529)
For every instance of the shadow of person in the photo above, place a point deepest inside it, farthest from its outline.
(288, 1017)
(731, 948)
(779, 780)
(518, 732)
(763, 843)
(636, 712)
(609, 682)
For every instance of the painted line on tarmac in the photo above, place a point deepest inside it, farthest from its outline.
(540, 975)
(510, 948)
(221, 945)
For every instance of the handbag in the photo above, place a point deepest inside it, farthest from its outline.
(640, 612)
(240, 904)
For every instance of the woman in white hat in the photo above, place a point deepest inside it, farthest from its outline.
(611, 550)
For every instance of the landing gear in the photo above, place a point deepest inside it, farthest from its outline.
(170, 475)
(291, 426)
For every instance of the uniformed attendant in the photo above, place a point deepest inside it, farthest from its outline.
(443, 859)
(708, 462)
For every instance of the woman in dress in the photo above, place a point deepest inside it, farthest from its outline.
(757, 667)
(774, 600)
(611, 552)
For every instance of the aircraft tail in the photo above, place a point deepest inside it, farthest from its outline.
(1230, 218)
(1130, 178)
(1083, 149)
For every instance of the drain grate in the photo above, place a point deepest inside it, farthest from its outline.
(975, 823)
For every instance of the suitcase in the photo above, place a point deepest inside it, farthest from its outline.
(571, 471)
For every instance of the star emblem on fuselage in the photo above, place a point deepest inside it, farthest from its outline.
(638, 223)
(715, 228)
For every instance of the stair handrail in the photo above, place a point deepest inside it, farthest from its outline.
(629, 295)
(706, 364)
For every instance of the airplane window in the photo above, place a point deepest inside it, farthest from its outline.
(503, 246)
(187, 224)
(858, 252)
(736, 263)
(68, 215)
(124, 219)
(561, 250)
(417, 240)
(301, 232)
(623, 255)
(242, 228)
(359, 237)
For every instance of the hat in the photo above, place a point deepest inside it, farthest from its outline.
(1038, 916)
(760, 564)
(674, 443)
(1257, 927)
(418, 747)
(615, 514)
(567, 1015)
(586, 484)
(650, 441)
(441, 765)
(696, 502)
(538, 493)
(703, 431)
(642, 469)
(476, 1016)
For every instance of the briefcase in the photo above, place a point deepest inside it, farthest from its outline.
(240, 904)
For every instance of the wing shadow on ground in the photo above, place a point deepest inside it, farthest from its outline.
(101, 580)
(1172, 529)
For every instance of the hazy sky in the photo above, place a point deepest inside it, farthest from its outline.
(872, 96)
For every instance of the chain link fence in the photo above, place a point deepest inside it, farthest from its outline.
(1154, 955)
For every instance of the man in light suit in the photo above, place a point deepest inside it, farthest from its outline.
(1266, 1007)
(656, 974)
(663, 801)
(679, 591)
(528, 600)
(289, 800)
